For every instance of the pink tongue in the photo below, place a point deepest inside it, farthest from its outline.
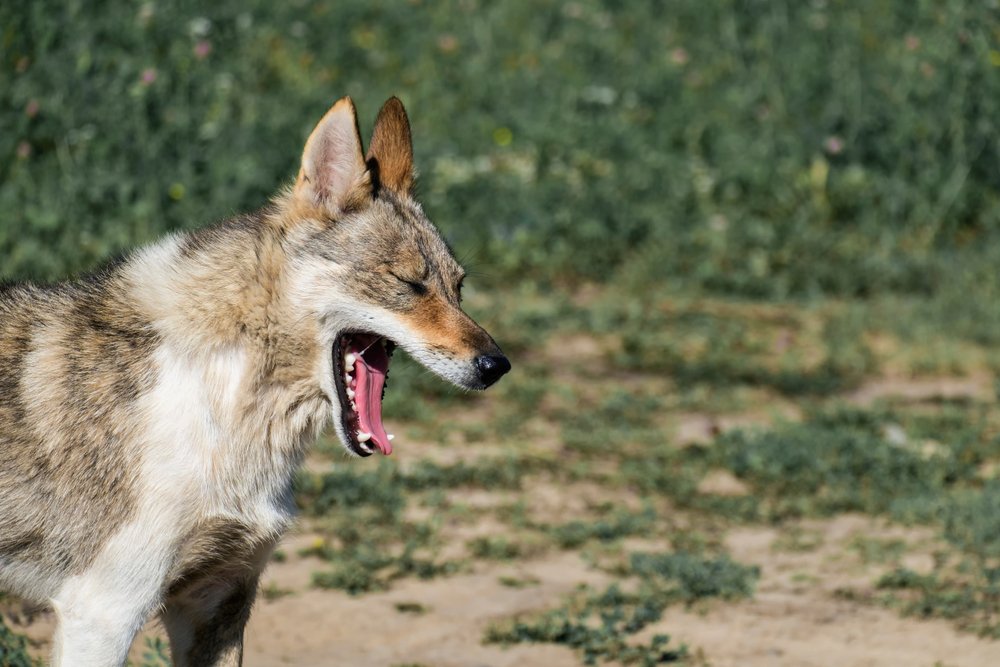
(370, 368)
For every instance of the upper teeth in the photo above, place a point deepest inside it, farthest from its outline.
(363, 437)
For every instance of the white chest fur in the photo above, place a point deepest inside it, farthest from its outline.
(205, 449)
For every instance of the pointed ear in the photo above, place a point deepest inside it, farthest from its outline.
(391, 147)
(333, 172)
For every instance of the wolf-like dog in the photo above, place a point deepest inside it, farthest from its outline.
(152, 414)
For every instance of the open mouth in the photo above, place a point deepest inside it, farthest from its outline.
(361, 366)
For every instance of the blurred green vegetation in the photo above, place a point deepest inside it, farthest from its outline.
(598, 624)
(669, 209)
(746, 147)
(14, 649)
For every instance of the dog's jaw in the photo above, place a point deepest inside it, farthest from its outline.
(360, 367)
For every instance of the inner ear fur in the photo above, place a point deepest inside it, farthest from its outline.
(333, 173)
(391, 150)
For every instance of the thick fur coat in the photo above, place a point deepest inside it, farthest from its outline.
(152, 415)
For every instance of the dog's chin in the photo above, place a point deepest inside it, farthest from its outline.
(360, 376)
(350, 445)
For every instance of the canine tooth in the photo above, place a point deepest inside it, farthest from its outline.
(350, 393)
(365, 448)
(390, 436)
(349, 359)
(364, 437)
(349, 368)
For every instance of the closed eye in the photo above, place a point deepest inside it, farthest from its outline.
(417, 286)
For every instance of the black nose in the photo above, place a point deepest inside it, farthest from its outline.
(491, 367)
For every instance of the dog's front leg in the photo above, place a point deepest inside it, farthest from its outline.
(98, 618)
(100, 610)
(206, 622)
(86, 638)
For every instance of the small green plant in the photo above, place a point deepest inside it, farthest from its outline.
(371, 542)
(14, 649)
(968, 591)
(695, 577)
(973, 606)
(836, 464)
(494, 548)
(878, 550)
(156, 653)
(414, 608)
(796, 539)
(599, 624)
(574, 534)
(605, 639)
(518, 582)
(273, 592)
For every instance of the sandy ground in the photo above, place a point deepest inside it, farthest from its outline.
(796, 618)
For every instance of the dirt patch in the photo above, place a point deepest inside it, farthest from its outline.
(977, 387)
(782, 629)
(701, 428)
(722, 483)
(331, 628)
(795, 618)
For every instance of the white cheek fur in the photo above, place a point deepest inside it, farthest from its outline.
(316, 289)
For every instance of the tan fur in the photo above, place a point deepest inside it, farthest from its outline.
(333, 172)
(152, 415)
(447, 327)
(391, 148)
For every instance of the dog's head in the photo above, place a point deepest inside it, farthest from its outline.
(376, 273)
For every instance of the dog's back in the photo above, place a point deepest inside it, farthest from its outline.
(73, 360)
(134, 432)
(152, 415)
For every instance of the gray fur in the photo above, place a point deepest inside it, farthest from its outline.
(152, 415)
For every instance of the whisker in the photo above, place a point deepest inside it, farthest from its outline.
(377, 339)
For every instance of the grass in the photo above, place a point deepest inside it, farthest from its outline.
(625, 485)
(14, 648)
(925, 461)
(371, 542)
(414, 608)
(837, 149)
(519, 582)
(599, 624)
(966, 588)
(712, 214)
(575, 534)
(156, 653)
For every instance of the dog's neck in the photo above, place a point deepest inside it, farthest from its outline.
(223, 291)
